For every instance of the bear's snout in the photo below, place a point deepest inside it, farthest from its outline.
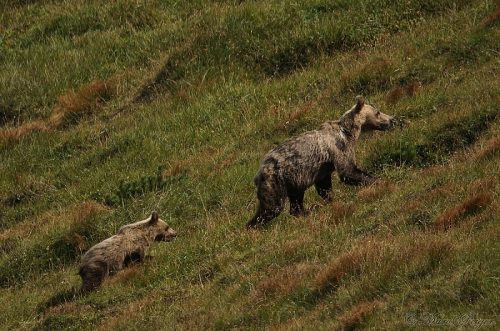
(171, 233)
(389, 123)
(392, 122)
(168, 235)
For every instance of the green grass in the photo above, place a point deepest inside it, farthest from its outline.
(111, 110)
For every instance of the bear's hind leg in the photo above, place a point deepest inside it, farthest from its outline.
(92, 277)
(271, 195)
(324, 188)
(296, 198)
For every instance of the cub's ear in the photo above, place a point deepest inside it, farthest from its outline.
(154, 218)
(360, 102)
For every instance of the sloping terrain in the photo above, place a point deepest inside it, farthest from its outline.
(110, 110)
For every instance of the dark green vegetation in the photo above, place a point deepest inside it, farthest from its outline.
(109, 110)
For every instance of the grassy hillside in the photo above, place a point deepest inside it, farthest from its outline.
(109, 110)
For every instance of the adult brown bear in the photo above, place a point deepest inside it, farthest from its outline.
(310, 158)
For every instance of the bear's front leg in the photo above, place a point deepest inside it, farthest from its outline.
(134, 257)
(357, 177)
(350, 174)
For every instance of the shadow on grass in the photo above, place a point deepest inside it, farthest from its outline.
(62, 297)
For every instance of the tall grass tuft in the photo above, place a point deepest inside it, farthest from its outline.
(470, 206)
(354, 317)
(285, 281)
(349, 263)
(382, 257)
(492, 19)
(74, 105)
(489, 149)
(13, 135)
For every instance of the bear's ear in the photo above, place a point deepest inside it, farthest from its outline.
(360, 102)
(154, 218)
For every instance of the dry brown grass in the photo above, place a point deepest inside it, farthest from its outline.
(73, 105)
(86, 209)
(78, 215)
(291, 247)
(224, 163)
(438, 192)
(386, 255)
(416, 200)
(425, 246)
(348, 263)
(354, 317)
(302, 110)
(412, 206)
(398, 92)
(295, 116)
(13, 135)
(491, 19)
(486, 184)
(27, 227)
(125, 313)
(376, 190)
(124, 276)
(69, 108)
(303, 322)
(177, 167)
(342, 210)
(489, 149)
(286, 280)
(485, 216)
(470, 206)
(395, 94)
(82, 225)
(430, 171)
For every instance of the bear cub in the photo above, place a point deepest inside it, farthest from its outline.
(310, 158)
(127, 246)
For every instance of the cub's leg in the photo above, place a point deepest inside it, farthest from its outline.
(134, 257)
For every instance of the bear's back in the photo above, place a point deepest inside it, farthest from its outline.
(111, 250)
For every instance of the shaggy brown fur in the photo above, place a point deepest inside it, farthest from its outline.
(309, 159)
(115, 253)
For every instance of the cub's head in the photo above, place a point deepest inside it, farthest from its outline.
(161, 230)
(367, 117)
(154, 226)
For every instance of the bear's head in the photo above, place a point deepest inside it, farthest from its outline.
(160, 228)
(364, 117)
(154, 226)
